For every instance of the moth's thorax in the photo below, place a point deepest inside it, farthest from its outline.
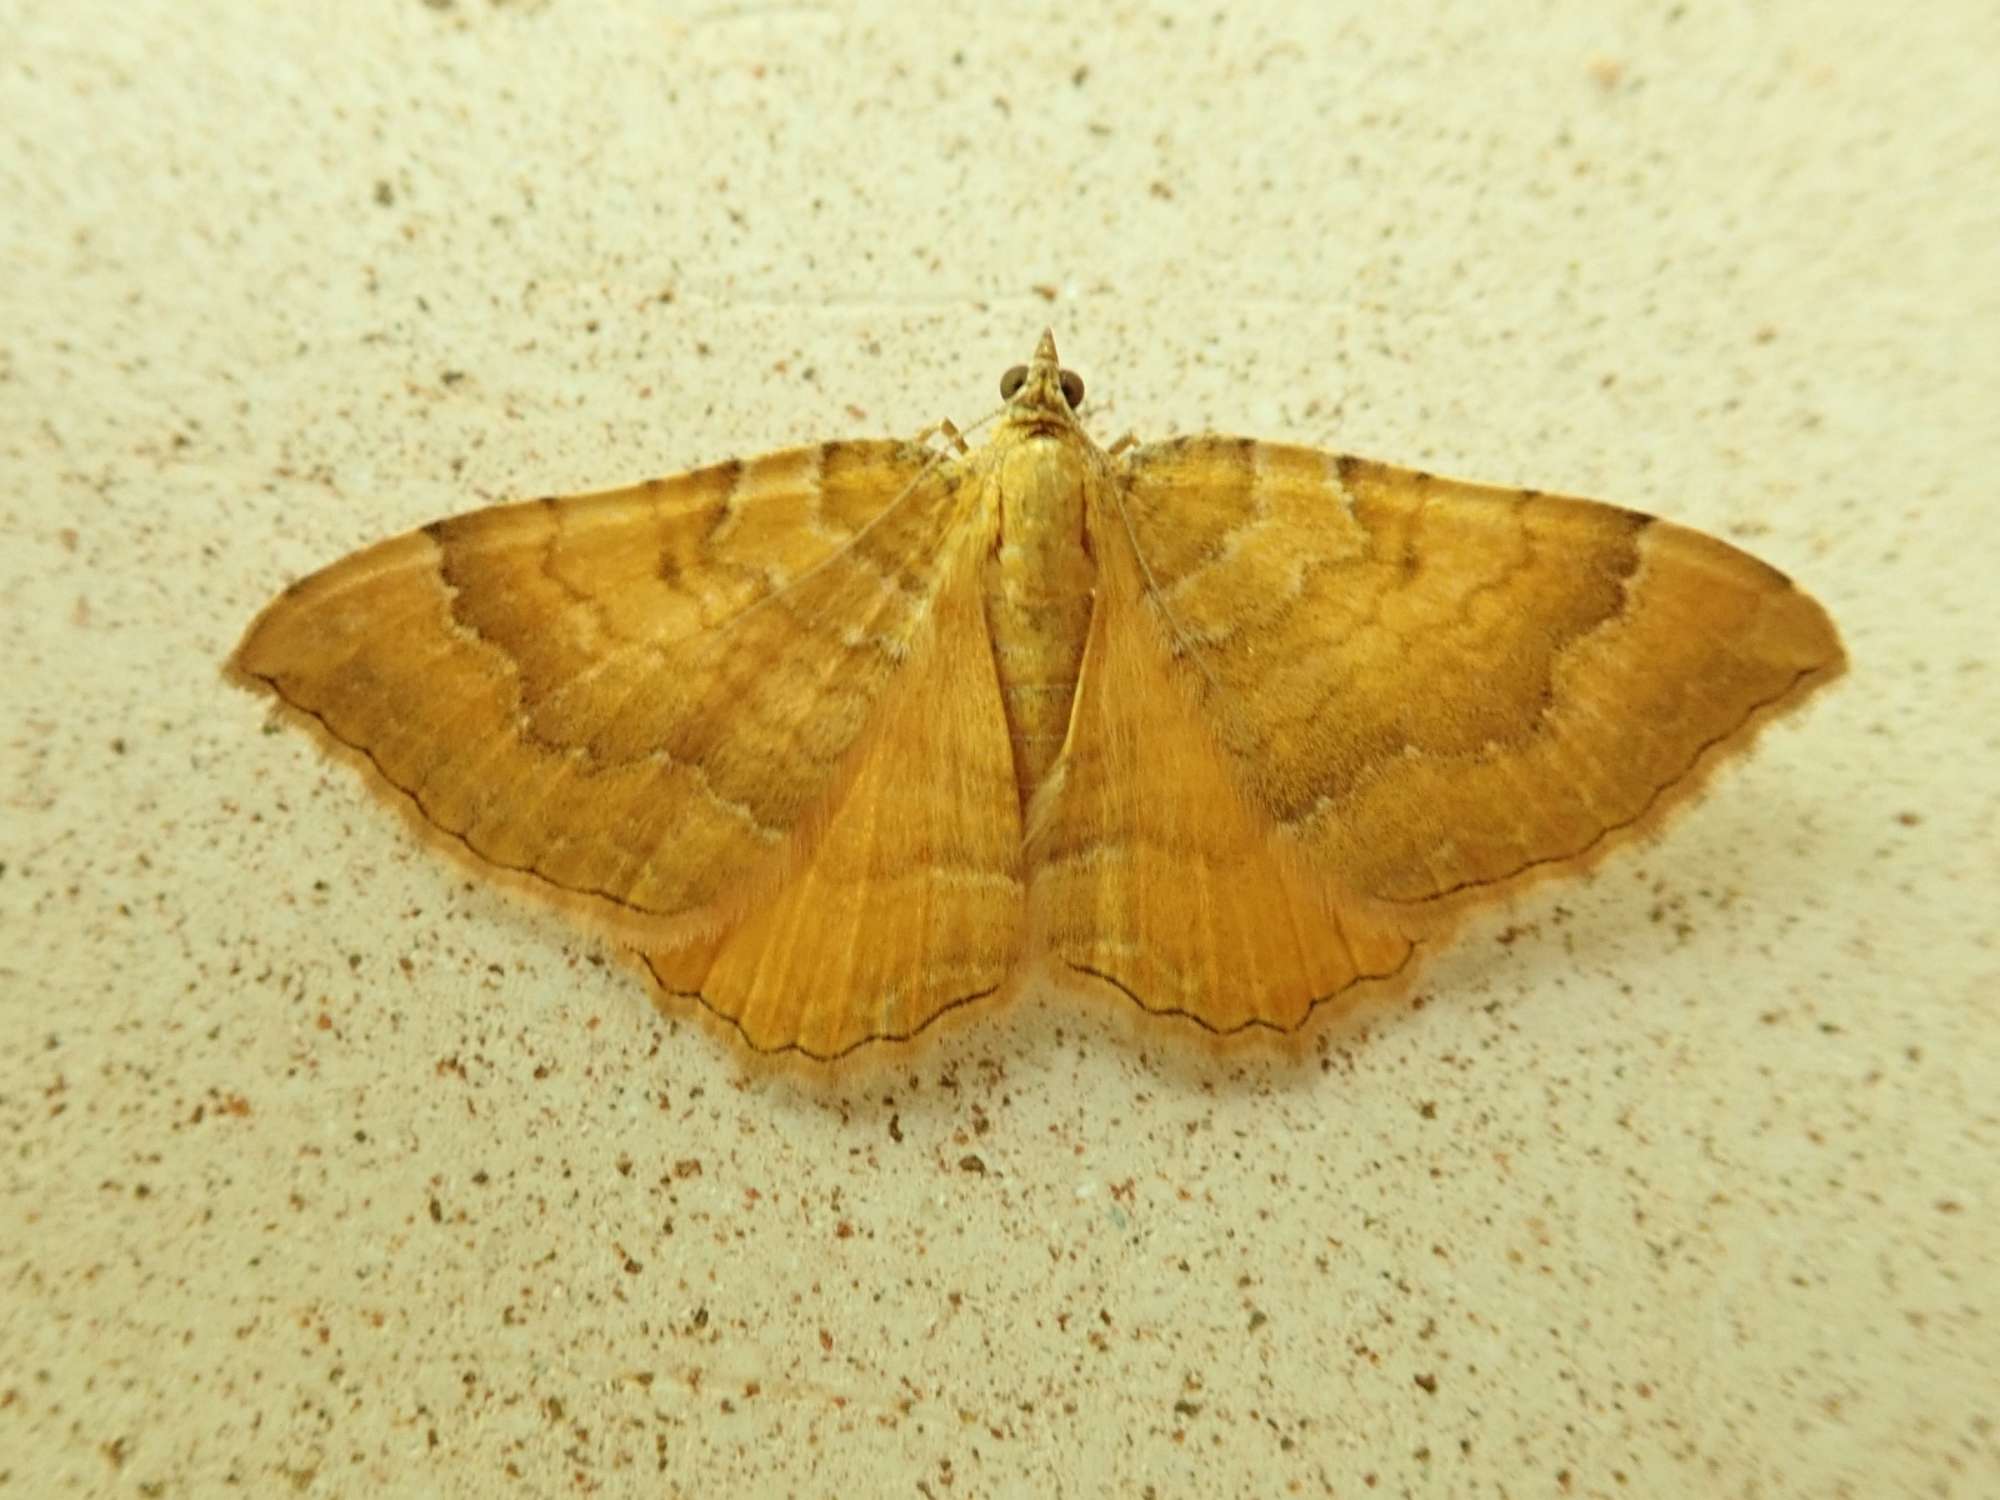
(1039, 582)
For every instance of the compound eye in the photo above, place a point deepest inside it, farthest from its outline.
(1072, 389)
(1012, 381)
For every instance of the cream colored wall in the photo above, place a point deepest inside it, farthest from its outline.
(328, 1172)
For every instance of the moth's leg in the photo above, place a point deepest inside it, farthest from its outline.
(947, 429)
(1129, 440)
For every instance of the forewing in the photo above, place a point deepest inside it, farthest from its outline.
(1437, 689)
(632, 700)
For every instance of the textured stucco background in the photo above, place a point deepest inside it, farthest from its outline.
(325, 1171)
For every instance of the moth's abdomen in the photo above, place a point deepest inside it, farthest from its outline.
(1038, 647)
(1039, 591)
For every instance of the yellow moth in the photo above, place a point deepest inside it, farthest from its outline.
(843, 738)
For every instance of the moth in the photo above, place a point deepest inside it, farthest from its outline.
(841, 739)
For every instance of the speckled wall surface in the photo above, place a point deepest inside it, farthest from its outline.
(328, 1172)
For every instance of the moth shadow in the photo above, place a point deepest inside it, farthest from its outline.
(1037, 1025)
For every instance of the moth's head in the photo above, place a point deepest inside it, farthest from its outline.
(1042, 393)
